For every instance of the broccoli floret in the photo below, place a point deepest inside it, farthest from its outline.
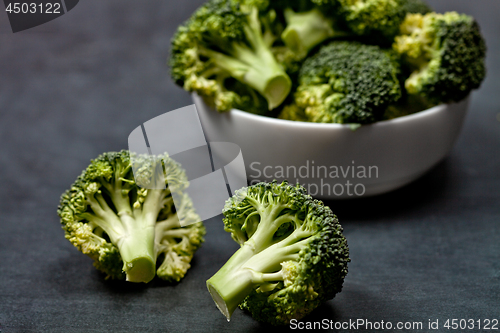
(129, 230)
(348, 82)
(293, 254)
(407, 105)
(305, 30)
(292, 112)
(444, 52)
(224, 40)
(416, 6)
(379, 19)
(308, 24)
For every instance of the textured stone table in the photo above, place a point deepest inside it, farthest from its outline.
(77, 86)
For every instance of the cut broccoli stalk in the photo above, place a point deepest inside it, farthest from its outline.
(247, 270)
(138, 256)
(254, 65)
(257, 69)
(232, 283)
(305, 30)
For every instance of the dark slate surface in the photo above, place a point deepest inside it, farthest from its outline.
(77, 86)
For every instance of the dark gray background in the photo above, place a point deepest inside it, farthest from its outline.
(77, 86)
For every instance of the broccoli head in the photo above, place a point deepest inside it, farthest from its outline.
(378, 19)
(127, 229)
(292, 112)
(445, 54)
(223, 53)
(308, 24)
(311, 22)
(416, 6)
(348, 82)
(293, 254)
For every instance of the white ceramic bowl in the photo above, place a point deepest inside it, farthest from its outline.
(384, 156)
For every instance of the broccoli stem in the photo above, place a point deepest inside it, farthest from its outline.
(254, 64)
(138, 252)
(245, 271)
(251, 267)
(231, 284)
(137, 246)
(134, 239)
(133, 231)
(305, 30)
(258, 69)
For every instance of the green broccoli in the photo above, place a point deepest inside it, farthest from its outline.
(416, 6)
(126, 229)
(293, 254)
(377, 19)
(348, 83)
(311, 22)
(445, 54)
(407, 104)
(223, 54)
(307, 24)
(292, 112)
(305, 30)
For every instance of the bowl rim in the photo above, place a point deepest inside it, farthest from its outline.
(304, 124)
(311, 125)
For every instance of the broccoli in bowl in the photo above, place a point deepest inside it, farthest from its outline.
(259, 56)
